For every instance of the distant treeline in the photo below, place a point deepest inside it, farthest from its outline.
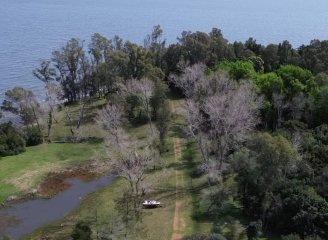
(97, 68)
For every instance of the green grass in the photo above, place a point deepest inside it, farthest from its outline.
(61, 127)
(194, 183)
(31, 166)
(21, 173)
(156, 223)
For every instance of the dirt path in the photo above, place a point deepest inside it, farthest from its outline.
(178, 222)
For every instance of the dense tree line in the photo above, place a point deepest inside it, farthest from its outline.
(98, 68)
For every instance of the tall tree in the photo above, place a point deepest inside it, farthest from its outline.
(139, 61)
(128, 159)
(24, 104)
(156, 45)
(261, 167)
(52, 102)
(219, 112)
(73, 69)
(99, 48)
(144, 90)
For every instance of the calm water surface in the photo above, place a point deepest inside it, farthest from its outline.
(31, 29)
(30, 215)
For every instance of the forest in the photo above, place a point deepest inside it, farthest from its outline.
(256, 114)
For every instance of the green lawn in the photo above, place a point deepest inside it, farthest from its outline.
(156, 223)
(21, 173)
(61, 128)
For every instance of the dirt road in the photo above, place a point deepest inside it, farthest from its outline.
(178, 222)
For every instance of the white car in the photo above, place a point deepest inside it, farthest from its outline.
(151, 203)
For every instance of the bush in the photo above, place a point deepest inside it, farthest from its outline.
(11, 140)
(33, 136)
(238, 69)
(81, 231)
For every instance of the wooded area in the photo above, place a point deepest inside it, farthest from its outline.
(258, 115)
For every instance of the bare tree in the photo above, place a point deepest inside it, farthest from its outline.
(144, 90)
(280, 105)
(219, 112)
(47, 74)
(189, 79)
(195, 124)
(53, 94)
(129, 159)
(309, 107)
(130, 162)
(111, 118)
(231, 114)
(296, 106)
(75, 121)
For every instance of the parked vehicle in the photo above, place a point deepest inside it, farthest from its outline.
(151, 204)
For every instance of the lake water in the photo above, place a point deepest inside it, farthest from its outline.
(31, 29)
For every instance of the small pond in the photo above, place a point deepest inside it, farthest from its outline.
(24, 218)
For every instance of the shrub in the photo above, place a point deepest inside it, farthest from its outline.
(238, 69)
(11, 140)
(33, 136)
(81, 231)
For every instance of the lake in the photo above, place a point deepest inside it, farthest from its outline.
(31, 30)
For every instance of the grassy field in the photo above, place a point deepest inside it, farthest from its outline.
(20, 174)
(174, 179)
(175, 182)
(99, 207)
(156, 223)
(61, 128)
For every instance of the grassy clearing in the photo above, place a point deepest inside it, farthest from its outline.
(61, 127)
(173, 180)
(156, 223)
(21, 173)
